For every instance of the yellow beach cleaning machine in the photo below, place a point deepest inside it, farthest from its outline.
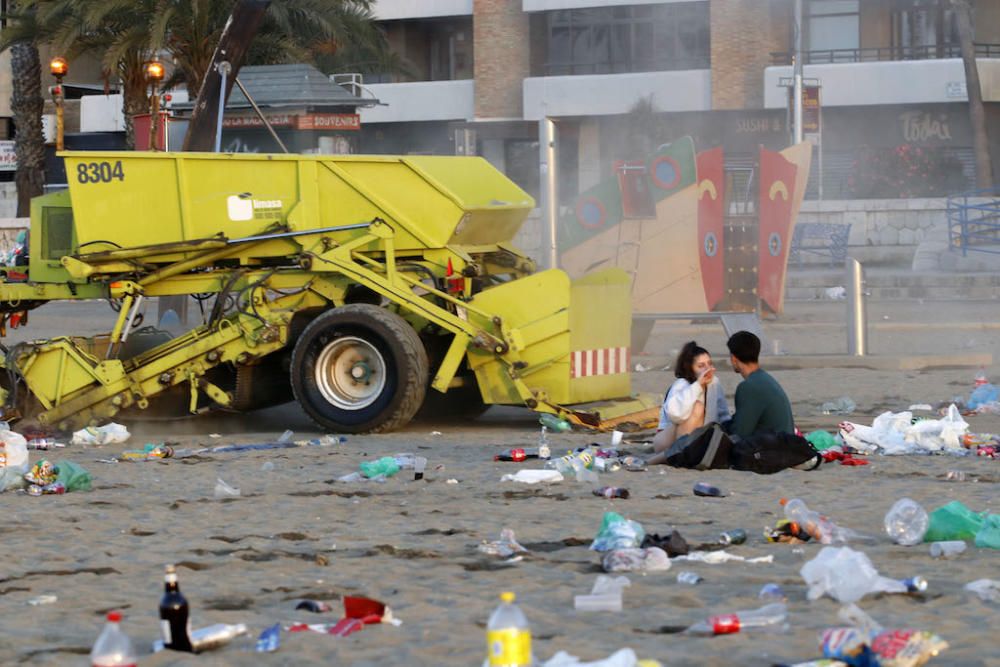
(364, 287)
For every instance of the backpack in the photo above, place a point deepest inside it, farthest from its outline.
(764, 453)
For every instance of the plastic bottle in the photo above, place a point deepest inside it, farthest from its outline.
(980, 378)
(689, 578)
(113, 648)
(578, 463)
(947, 549)
(914, 584)
(508, 636)
(175, 620)
(768, 616)
(553, 423)
(773, 592)
(906, 523)
(814, 524)
(544, 452)
(516, 455)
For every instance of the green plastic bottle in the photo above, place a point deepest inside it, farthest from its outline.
(553, 423)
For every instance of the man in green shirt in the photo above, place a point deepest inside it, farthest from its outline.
(761, 403)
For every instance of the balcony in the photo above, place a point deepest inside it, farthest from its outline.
(391, 10)
(421, 101)
(883, 54)
(608, 94)
(877, 82)
(549, 5)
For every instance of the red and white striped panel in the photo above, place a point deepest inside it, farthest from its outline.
(606, 361)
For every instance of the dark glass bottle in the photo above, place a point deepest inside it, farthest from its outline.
(174, 614)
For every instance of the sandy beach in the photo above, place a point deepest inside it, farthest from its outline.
(296, 533)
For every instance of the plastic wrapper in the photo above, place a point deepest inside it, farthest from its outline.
(722, 556)
(505, 547)
(988, 590)
(888, 648)
(617, 532)
(652, 559)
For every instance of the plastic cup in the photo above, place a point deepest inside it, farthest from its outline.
(947, 549)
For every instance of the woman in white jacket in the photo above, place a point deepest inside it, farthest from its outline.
(694, 399)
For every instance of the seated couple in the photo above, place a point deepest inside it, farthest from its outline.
(696, 397)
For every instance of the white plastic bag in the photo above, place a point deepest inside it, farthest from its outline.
(13, 460)
(651, 559)
(534, 476)
(625, 657)
(13, 449)
(845, 575)
(109, 434)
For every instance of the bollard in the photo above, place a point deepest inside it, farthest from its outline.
(857, 315)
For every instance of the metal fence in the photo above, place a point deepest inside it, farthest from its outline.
(974, 221)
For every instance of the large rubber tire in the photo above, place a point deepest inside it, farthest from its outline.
(359, 369)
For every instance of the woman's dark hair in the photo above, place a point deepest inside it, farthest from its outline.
(683, 367)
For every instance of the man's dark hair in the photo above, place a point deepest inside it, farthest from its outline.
(683, 367)
(744, 346)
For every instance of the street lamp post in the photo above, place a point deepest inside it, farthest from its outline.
(58, 68)
(154, 74)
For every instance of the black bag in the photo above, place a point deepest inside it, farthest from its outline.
(704, 448)
(764, 453)
(769, 452)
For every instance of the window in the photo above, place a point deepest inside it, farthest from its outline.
(924, 29)
(640, 38)
(521, 162)
(833, 25)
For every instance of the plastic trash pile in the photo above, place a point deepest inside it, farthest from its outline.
(894, 433)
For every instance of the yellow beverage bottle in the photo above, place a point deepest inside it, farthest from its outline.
(508, 636)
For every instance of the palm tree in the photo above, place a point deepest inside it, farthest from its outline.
(127, 33)
(26, 104)
(977, 114)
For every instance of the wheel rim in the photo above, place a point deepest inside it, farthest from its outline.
(350, 373)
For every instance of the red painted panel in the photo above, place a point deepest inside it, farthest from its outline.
(711, 182)
(777, 191)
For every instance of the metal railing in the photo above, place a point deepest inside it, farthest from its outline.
(883, 53)
(974, 221)
(663, 64)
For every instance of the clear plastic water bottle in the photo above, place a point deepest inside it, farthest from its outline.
(771, 616)
(113, 648)
(906, 522)
(813, 523)
(508, 635)
(981, 378)
(544, 452)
